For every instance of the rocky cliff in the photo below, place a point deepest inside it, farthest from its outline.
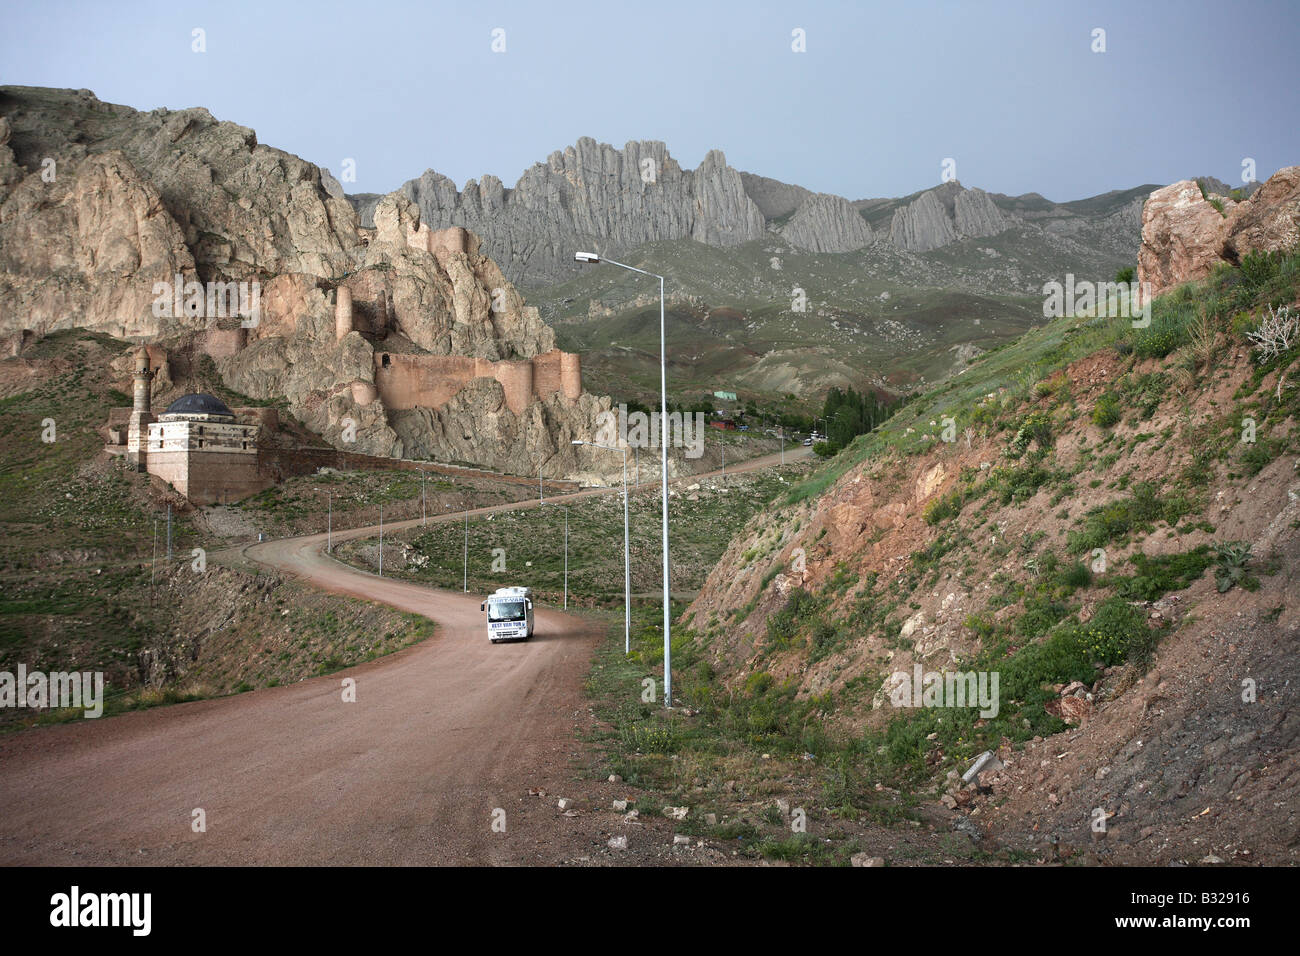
(942, 216)
(1187, 229)
(826, 223)
(615, 200)
(589, 194)
(99, 203)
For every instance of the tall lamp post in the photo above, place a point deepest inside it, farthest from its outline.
(627, 572)
(594, 259)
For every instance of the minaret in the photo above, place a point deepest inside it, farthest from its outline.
(137, 434)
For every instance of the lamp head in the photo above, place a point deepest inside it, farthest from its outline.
(586, 257)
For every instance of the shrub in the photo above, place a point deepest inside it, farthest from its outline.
(1077, 575)
(1019, 483)
(1106, 412)
(1157, 576)
(944, 507)
(1162, 337)
(1036, 427)
(1275, 334)
(783, 626)
(1115, 520)
(1117, 632)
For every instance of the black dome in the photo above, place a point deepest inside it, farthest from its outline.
(198, 404)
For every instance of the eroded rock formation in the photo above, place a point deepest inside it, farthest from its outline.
(1186, 234)
(593, 193)
(944, 215)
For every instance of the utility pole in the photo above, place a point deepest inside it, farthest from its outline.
(381, 541)
(329, 524)
(566, 559)
(540, 495)
(424, 519)
(465, 556)
(169, 532)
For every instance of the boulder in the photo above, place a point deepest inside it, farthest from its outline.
(1269, 220)
(1182, 235)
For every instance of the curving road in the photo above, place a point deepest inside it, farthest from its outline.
(439, 737)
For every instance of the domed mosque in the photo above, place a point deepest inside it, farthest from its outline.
(196, 445)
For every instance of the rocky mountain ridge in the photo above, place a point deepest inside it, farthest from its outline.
(617, 200)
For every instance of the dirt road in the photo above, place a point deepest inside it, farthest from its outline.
(443, 740)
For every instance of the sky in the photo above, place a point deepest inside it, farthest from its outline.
(1014, 93)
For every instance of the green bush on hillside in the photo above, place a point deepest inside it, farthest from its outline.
(1106, 412)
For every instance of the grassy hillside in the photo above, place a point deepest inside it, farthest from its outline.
(1098, 515)
(85, 586)
(873, 317)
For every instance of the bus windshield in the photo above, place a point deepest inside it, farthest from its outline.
(505, 610)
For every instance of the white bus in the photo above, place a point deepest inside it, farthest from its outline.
(509, 614)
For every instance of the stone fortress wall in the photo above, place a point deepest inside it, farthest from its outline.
(405, 381)
(430, 381)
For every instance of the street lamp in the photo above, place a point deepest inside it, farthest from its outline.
(593, 259)
(627, 572)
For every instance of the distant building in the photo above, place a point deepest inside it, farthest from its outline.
(725, 396)
(196, 445)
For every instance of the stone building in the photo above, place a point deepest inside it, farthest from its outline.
(196, 445)
(199, 448)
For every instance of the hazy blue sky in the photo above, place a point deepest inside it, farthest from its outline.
(885, 92)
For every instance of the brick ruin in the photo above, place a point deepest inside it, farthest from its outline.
(404, 381)
(430, 381)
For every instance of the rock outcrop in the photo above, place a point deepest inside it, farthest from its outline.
(943, 215)
(1181, 236)
(616, 200)
(1269, 220)
(85, 250)
(826, 223)
(589, 193)
(1184, 234)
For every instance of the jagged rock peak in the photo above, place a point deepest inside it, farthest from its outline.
(592, 192)
(943, 215)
